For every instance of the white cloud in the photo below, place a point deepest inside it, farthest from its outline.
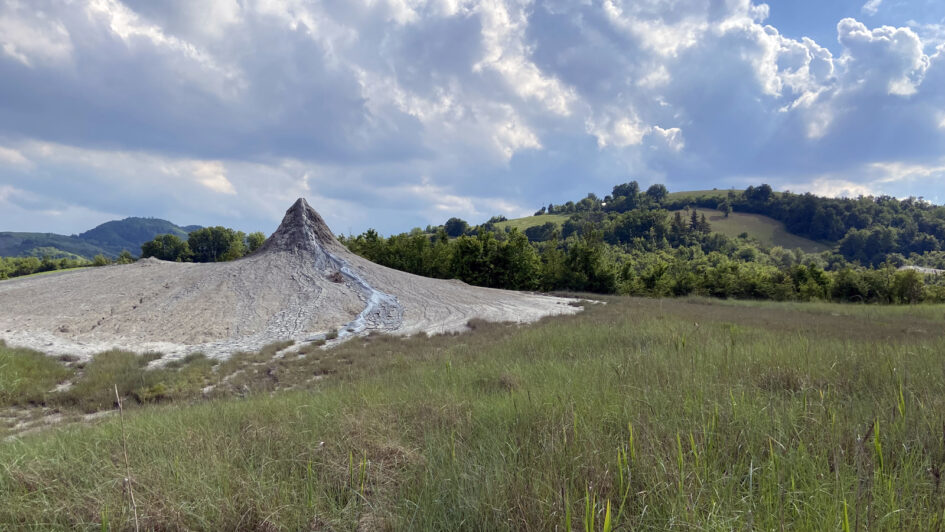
(885, 58)
(444, 204)
(871, 6)
(836, 188)
(132, 171)
(513, 136)
(627, 131)
(654, 34)
(239, 105)
(655, 78)
(672, 137)
(33, 37)
(505, 52)
(11, 156)
(878, 178)
(932, 34)
(214, 17)
(212, 175)
(199, 66)
(895, 171)
(615, 130)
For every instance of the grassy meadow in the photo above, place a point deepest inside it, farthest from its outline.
(636, 414)
(768, 231)
(529, 221)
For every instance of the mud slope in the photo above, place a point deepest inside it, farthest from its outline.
(300, 285)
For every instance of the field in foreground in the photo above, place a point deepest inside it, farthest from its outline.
(636, 414)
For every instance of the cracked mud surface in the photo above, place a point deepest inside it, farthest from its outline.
(301, 285)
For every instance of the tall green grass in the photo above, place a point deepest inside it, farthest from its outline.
(637, 414)
(28, 377)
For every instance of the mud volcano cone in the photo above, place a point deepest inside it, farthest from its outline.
(302, 230)
(301, 284)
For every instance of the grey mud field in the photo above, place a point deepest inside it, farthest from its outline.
(301, 285)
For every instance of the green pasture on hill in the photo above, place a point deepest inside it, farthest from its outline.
(636, 414)
(768, 231)
(698, 194)
(529, 221)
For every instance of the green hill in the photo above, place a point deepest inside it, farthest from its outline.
(108, 239)
(130, 233)
(42, 244)
(768, 231)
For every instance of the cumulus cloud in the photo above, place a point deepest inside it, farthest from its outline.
(392, 113)
(884, 59)
(505, 52)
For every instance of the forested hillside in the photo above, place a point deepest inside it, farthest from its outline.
(112, 242)
(656, 243)
(108, 239)
(45, 244)
(868, 230)
(130, 233)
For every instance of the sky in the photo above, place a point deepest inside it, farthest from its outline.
(394, 114)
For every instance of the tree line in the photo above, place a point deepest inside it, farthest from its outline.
(868, 230)
(208, 244)
(630, 243)
(19, 266)
(588, 264)
(496, 260)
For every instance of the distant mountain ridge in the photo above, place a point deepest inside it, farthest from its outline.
(109, 239)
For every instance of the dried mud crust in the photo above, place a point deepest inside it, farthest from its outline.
(301, 285)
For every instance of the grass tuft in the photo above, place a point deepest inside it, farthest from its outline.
(27, 377)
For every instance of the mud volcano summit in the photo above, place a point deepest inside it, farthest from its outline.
(301, 285)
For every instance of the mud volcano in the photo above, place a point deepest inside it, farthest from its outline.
(301, 285)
